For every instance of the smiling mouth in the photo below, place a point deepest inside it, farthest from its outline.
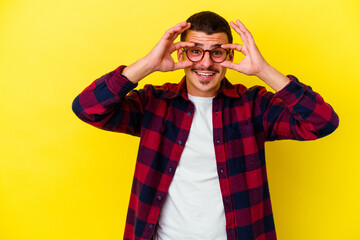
(205, 74)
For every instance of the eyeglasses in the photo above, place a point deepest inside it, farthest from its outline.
(196, 54)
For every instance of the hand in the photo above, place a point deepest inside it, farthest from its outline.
(253, 63)
(160, 56)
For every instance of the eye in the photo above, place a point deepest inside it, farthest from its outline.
(195, 51)
(217, 52)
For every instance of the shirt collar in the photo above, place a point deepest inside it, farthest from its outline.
(226, 88)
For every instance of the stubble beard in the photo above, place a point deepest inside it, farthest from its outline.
(204, 82)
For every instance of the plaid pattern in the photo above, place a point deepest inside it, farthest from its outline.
(243, 119)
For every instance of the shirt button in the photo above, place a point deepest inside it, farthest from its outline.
(189, 114)
(151, 225)
(217, 141)
(159, 198)
(180, 142)
(221, 170)
(170, 169)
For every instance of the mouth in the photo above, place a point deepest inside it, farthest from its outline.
(205, 74)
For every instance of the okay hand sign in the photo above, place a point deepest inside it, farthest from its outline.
(253, 62)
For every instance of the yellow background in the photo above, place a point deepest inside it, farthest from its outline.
(63, 179)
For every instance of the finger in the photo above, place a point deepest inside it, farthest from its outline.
(181, 30)
(181, 24)
(179, 45)
(240, 24)
(240, 31)
(234, 46)
(183, 64)
(178, 27)
(171, 32)
(175, 31)
(246, 31)
(229, 64)
(165, 44)
(235, 27)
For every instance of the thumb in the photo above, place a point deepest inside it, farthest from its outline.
(229, 64)
(182, 64)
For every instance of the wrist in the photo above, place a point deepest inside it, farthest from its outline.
(138, 70)
(273, 78)
(265, 71)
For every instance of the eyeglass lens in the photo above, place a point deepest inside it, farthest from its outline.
(195, 54)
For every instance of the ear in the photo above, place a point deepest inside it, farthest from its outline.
(231, 55)
(180, 55)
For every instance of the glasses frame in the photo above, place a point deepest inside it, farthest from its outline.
(204, 51)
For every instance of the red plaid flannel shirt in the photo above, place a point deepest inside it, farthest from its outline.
(243, 119)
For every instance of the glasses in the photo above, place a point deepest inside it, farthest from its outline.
(196, 54)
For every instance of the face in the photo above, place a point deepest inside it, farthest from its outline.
(203, 78)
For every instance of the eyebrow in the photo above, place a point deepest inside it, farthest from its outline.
(212, 46)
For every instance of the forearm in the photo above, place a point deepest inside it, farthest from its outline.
(138, 70)
(273, 78)
(297, 112)
(106, 104)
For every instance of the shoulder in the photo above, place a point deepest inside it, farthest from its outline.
(259, 91)
(241, 91)
(167, 90)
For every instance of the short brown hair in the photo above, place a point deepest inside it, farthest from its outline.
(209, 23)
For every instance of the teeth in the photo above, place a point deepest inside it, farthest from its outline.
(205, 74)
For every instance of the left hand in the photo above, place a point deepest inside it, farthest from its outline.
(253, 62)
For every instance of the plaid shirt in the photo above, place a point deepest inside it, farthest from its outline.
(243, 119)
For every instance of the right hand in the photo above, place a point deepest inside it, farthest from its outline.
(160, 56)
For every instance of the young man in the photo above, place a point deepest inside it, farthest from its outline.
(200, 172)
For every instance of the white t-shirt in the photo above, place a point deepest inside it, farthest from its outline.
(193, 208)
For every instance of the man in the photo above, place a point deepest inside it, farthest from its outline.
(200, 172)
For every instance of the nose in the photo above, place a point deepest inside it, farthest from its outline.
(206, 61)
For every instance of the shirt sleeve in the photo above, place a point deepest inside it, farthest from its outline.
(110, 103)
(296, 112)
